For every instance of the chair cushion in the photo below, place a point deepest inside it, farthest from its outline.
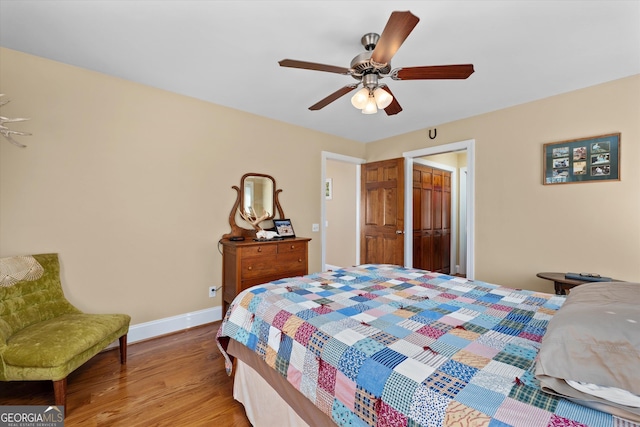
(58, 341)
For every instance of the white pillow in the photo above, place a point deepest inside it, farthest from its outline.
(611, 394)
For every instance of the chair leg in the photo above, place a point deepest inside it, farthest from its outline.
(123, 349)
(60, 386)
(60, 393)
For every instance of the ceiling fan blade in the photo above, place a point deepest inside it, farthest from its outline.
(461, 71)
(335, 95)
(398, 28)
(394, 107)
(292, 63)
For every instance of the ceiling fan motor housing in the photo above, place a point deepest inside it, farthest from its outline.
(362, 64)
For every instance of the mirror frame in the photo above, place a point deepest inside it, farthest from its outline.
(238, 231)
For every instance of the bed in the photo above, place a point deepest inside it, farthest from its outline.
(390, 346)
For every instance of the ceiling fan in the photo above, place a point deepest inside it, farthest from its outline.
(375, 63)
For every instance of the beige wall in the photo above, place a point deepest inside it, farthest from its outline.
(523, 227)
(341, 214)
(132, 185)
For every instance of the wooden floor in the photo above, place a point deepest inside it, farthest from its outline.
(175, 380)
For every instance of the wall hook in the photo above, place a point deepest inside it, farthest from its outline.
(435, 133)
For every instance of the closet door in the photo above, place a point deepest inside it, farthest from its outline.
(445, 266)
(441, 221)
(431, 218)
(422, 217)
(437, 220)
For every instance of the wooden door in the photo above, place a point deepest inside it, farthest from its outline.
(382, 212)
(431, 219)
(422, 217)
(442, 221)
(445, 236)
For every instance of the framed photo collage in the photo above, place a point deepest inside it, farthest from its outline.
(582, 160)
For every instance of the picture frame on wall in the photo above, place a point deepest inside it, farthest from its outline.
(284, 228)
(596, 158)
(328, 189)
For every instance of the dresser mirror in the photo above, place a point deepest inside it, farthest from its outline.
(255, 206)
(258, 194)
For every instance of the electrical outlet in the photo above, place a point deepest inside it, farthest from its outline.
(212, 291)
(315, 227)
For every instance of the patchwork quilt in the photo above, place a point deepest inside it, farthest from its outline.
(381, 345)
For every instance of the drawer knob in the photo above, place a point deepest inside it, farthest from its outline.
(259, 249)
(299, 259)
(293, 246)
(250, 268)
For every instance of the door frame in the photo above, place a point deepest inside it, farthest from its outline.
(327, 155)
(463, 220)
(469, 146)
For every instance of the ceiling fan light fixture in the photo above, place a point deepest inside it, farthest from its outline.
(371, 107)
(359, 100)
(382, 97)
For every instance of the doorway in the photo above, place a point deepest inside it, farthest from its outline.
(467, 256)
(337, 231)
(467, 259)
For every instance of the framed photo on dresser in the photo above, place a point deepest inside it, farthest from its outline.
(284, 227)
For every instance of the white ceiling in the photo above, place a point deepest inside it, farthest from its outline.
(227, 52)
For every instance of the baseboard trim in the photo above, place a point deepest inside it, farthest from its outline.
(155, 328)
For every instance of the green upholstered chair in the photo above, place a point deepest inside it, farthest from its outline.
(43, 336)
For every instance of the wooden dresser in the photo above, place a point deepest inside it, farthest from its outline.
(248, 263)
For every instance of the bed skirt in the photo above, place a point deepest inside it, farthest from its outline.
(268, 397)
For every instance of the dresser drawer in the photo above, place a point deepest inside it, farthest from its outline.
(292, 261)
(258, 267)
(292, 247)
(258, 251)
